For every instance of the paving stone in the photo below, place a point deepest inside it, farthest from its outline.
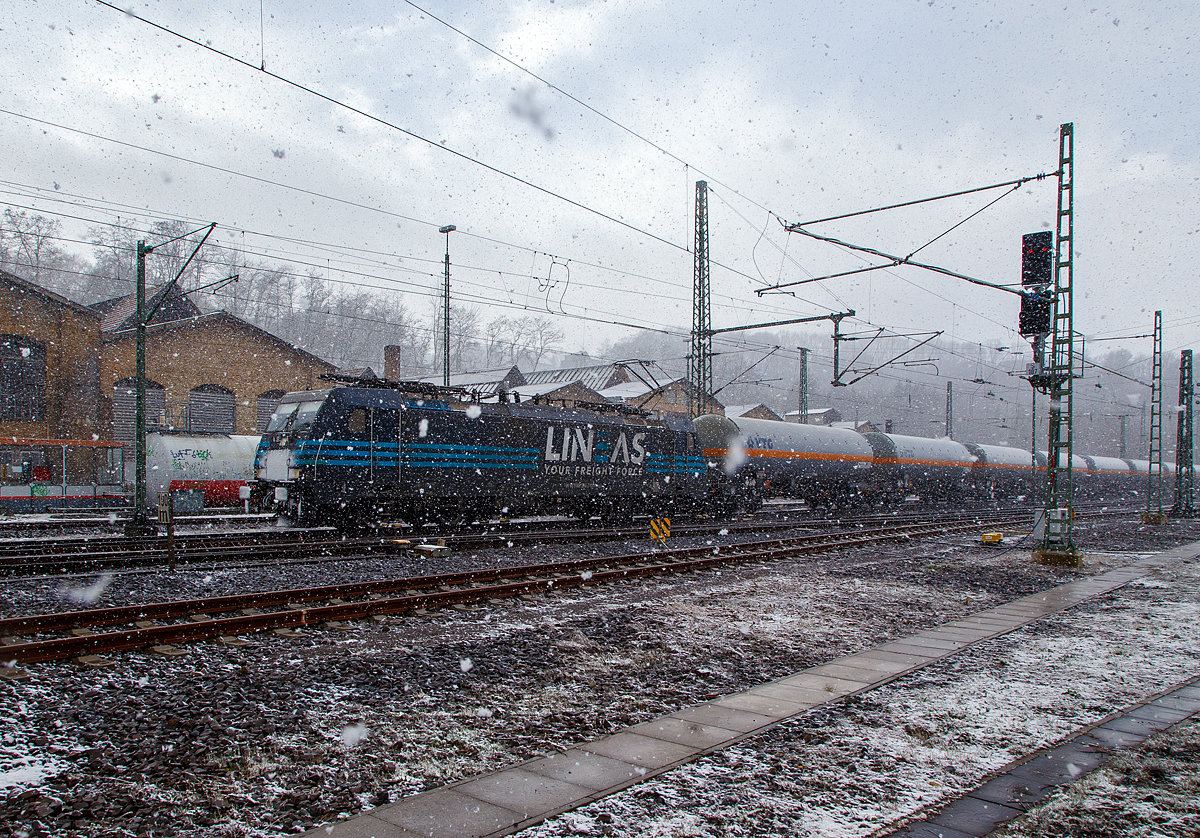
(524, 792)
(1188, 692)
(980, 621)
(830, 684)
(1108, 739)
(443, 813)
(1136, 726)
(645, 751)
(362, 826)
(973, 816)
(930, 830)
(1158, 713)
(692, 734)
(766, 705)
(927, 653)
(1188, 705)
(930, 642)
(591, 771)
(877, 668)
(713, 714)
(909, 661)
(1013, 791)
(955, 634)
(847, 671)
(1062, 765)
(801, 696)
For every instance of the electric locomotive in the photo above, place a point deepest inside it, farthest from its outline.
(352, 455)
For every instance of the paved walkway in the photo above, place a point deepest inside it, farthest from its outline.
(507, 801)
(1017, 787)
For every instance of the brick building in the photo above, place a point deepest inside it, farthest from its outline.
(49, 363)
(206, 373)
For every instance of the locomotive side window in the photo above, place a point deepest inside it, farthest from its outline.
(357, 423)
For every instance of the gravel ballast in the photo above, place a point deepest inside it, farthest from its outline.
(295, 731)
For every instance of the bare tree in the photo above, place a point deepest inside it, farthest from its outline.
(541, 336)
(30, 248)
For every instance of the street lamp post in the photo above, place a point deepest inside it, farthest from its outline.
(448, 229)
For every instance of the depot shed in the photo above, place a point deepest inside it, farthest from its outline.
(206, 373)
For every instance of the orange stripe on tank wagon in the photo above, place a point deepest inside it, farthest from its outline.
(793, 455)
(914, 461)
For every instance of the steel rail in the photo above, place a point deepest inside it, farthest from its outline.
(535, 579)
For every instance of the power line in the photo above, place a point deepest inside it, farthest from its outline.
(366, 115)
(582, 103)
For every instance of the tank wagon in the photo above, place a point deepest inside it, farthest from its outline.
(822, 465)
(348, 455)
(1000, 472)
(836, 466)
(935, 469)
(219, 464)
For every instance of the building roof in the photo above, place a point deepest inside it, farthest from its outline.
(571, 390)
(364, 373)
(760, 411)
(32, 287)
(219, 317)
(595, 378)
(120, 313)
(483, 383)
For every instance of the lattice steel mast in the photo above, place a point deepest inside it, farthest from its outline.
(1185, 471)
(701, 373)
(1058, 544)
(1154, 511)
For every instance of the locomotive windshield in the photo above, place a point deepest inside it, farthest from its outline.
(294, 417)
(281, 416)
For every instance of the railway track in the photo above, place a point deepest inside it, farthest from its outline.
(201, 619)
(96, 554)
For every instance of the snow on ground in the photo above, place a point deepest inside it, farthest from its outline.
(865, 762)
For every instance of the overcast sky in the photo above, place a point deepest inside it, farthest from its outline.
(792, 112)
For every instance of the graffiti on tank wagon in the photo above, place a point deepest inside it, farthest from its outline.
(572, 452)
(191, 460)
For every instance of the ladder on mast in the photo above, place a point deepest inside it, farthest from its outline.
(1185, 469)
(1154, 512)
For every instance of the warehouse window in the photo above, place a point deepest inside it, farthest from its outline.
(211, 410)
(22, 379)
(267, 402)
(125, 407)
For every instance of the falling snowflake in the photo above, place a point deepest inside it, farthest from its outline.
(353, 734)
(89, 594)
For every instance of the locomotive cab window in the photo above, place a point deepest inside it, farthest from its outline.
(280, 418)
(305, 415)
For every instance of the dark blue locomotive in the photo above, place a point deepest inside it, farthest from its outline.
(350, 455)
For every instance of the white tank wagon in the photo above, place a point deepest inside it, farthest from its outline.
(820, 464)
(934, 469)
(1110, 478)
(1000, 471)
(219, 464)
